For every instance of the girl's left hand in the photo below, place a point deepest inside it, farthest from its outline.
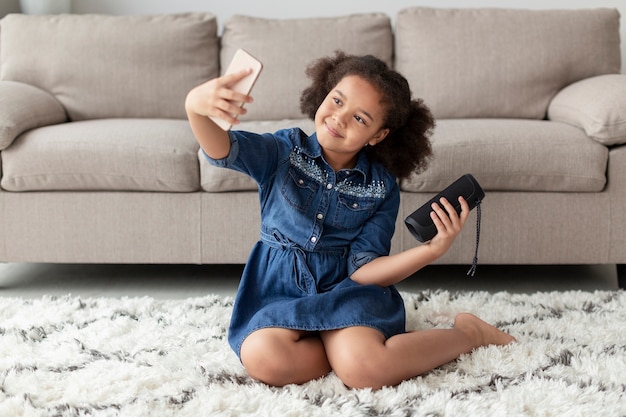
(449, 224)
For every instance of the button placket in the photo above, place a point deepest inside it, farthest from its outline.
(318, 224)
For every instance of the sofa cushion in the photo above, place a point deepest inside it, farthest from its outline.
(502, 63)
(215, 179)
(513, 155)
(218, 180)
(25, 107)
(110, 154)
(111, 66)
(597, 105)
(287, 46)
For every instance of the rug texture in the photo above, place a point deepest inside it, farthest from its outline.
(69, 356)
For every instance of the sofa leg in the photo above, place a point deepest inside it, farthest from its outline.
(621, 276)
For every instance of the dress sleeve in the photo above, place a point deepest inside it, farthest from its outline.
(250, 153)
(375, 237)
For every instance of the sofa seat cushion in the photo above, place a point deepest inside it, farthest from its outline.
(217, 180)
(108, 154)
(513, 155)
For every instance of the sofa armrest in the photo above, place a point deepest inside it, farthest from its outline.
(597, 105)
(24, 107)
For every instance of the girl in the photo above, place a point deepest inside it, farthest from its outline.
(317, 292)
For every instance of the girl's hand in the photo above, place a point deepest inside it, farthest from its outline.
(389, 270)
(215, 98)
(449, 224)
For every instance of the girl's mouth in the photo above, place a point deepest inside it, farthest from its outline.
(332, 131)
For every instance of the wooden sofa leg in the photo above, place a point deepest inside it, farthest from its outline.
(621, 276)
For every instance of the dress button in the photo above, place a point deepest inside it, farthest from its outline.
(355, 205)
(329, 186)
(320, 216)
(300, 181)
(313, 239)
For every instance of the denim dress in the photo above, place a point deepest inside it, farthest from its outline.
(318, 226)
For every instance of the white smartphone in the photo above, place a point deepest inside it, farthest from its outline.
(241, 61)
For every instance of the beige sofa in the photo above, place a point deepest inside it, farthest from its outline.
(99, 164)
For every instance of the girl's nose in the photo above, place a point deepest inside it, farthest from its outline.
(338, 118)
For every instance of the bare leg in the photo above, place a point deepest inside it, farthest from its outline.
(283, 356)
(361, 356)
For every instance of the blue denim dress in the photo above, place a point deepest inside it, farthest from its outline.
(317, 227)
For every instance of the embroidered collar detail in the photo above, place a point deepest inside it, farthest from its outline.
(307, 159)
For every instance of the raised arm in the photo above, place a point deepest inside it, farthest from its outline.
(389, 270)
(215, 98)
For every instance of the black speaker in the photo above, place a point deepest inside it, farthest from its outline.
(419, 222)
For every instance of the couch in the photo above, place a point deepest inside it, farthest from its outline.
(99, 165)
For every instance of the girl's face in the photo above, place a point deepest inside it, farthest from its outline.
(350, 117)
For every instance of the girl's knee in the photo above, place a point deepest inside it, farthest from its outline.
(360, 377)
(261, 362)
(357, 372)
(281, 356)
(357, 356)
(267, 369)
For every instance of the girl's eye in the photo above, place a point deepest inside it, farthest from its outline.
(337, 101)
(359, 119)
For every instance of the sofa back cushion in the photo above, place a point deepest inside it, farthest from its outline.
(101, 66)
(500, 62)
(287, 46)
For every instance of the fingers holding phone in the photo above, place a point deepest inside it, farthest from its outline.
(228, 103)
(222, 98)
(215, 97)
(213, 107)
(239, 78)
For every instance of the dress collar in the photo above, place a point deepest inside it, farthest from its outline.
(312, 149)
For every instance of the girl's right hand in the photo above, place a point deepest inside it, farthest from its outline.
(215, 98)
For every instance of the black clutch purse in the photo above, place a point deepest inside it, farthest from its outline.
(421, 225)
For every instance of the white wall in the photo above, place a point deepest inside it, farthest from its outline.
(9, 6)
(294, 8)
(316, 8)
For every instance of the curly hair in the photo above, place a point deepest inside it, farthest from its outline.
(407, 148)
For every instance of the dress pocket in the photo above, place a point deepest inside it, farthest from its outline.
(353, 211)
(299, 189)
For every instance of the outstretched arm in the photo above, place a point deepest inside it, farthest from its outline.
(215, 98)
(389, 270)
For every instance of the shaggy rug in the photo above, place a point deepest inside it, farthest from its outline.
(69, 356)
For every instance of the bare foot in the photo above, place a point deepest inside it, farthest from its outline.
(480, 332)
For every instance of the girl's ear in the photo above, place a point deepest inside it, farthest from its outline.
(378, 137)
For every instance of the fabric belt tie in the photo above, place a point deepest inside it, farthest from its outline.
(302, 274)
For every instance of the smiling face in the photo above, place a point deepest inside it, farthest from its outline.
(350, 117)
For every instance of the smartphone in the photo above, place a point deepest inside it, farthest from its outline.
(241, 61)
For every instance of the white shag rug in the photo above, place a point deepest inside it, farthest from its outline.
(69, 356)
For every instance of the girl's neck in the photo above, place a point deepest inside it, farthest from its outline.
(339, 161)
